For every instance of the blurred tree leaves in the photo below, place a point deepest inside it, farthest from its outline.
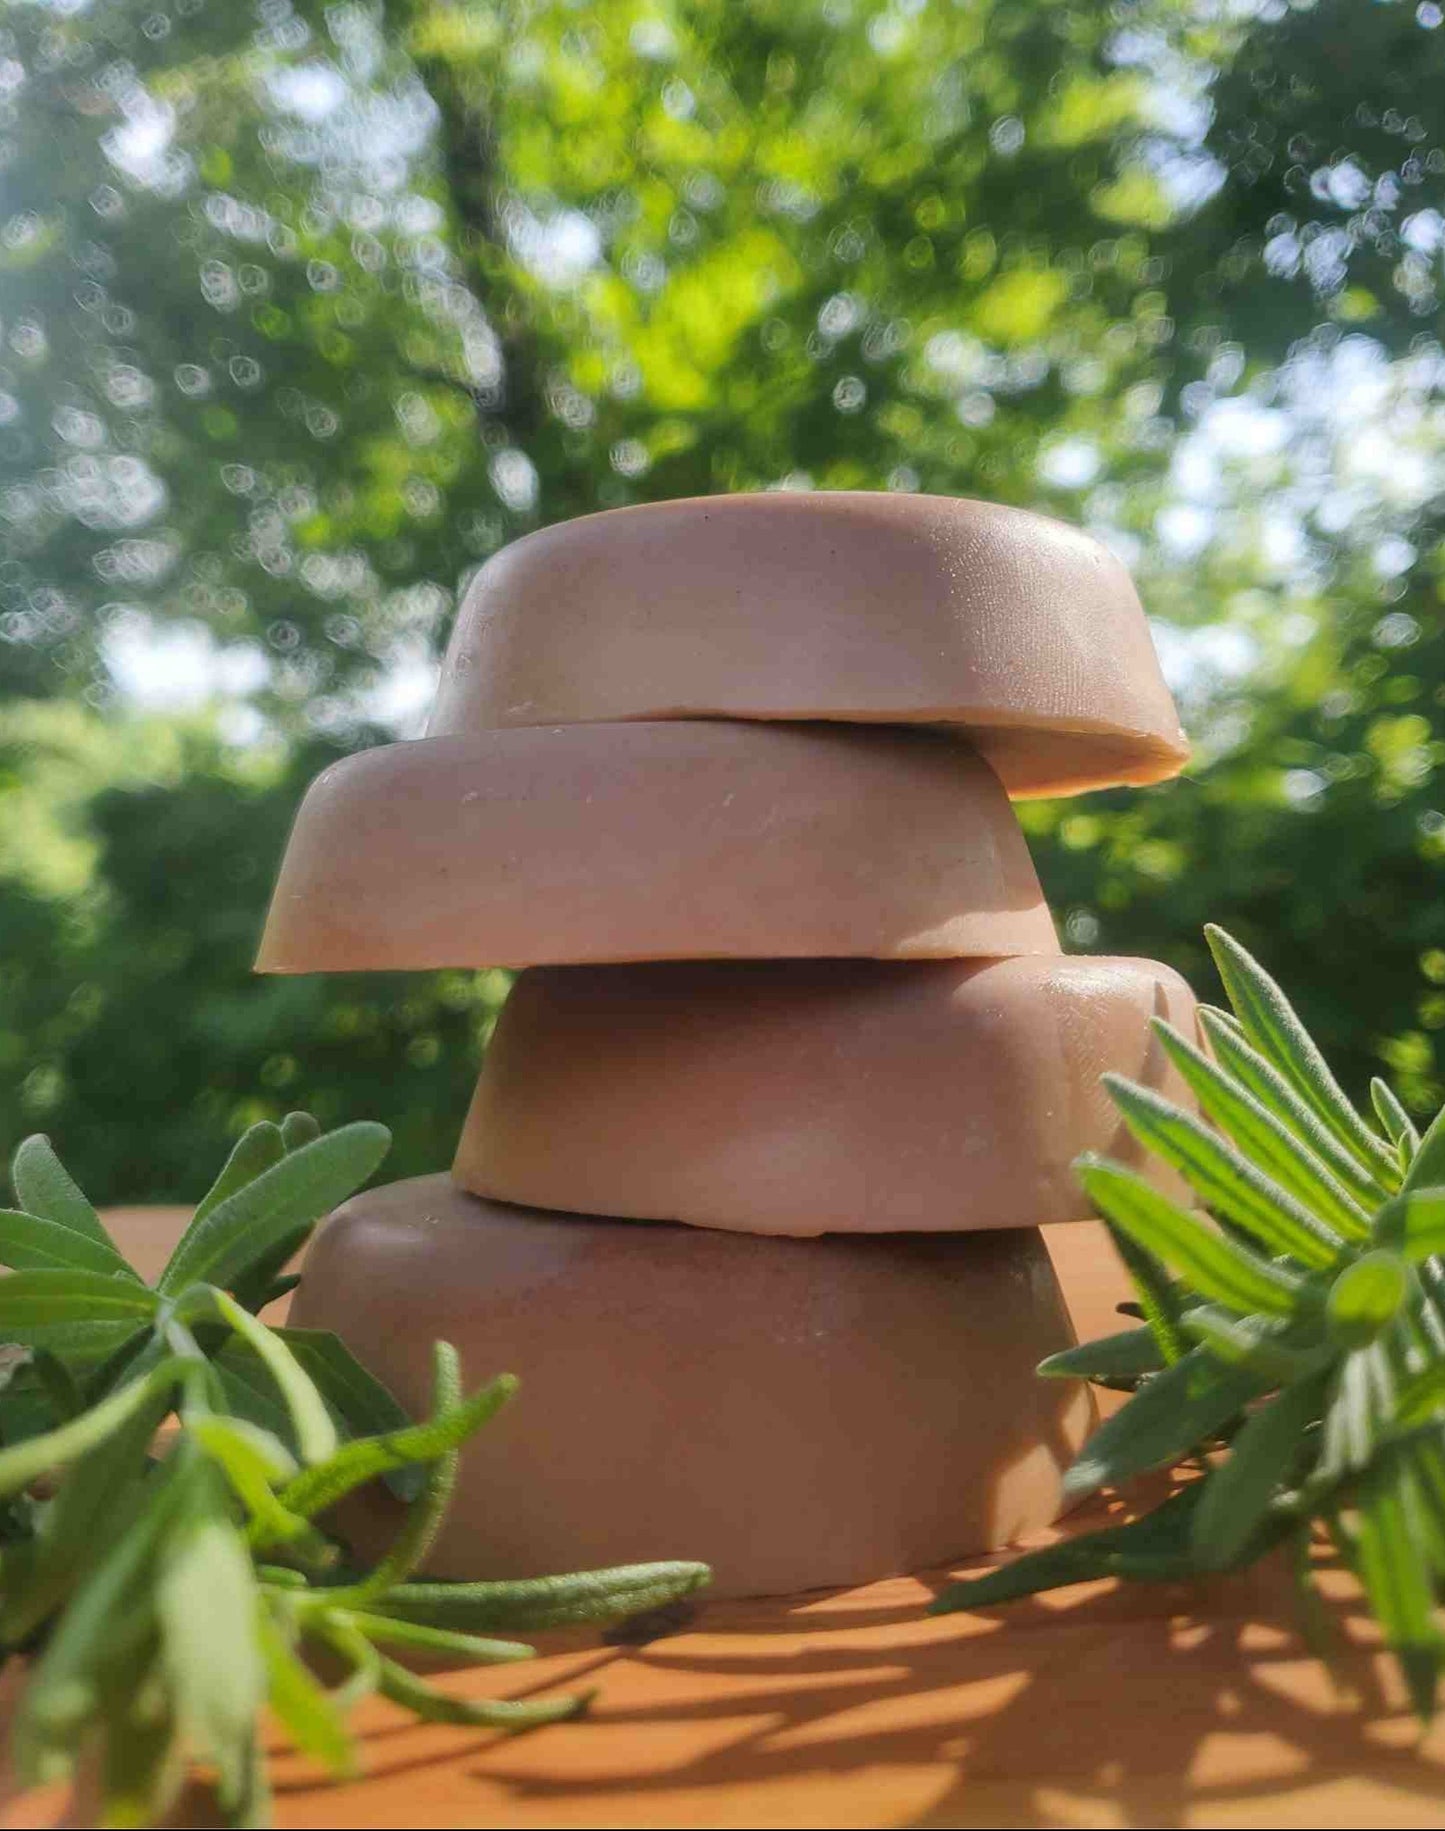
(731, 243)
(1329, 131)
(1318, 834)
(238, 370)
(130, 1021)
(307, 308)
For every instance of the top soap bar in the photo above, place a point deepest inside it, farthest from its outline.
(848, 605)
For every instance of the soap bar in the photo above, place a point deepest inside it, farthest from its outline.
(797, 1414)
(671, 840)
(817, 1097)
(845, 605)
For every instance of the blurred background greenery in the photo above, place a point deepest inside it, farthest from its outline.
(305, 309)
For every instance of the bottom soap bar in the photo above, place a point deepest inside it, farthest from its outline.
(798, 1413)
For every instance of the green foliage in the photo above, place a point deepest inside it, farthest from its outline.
(168, 1590)
(858, 244)
(1315, 831)
(1314, 1401)
(241, 373)
(324, 358)
(134, 992)
(1303, 172)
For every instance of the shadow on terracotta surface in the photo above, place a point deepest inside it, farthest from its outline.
(1167, 1706)
(1163, 1705)
(1151, 1705)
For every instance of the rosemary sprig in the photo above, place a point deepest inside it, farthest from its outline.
(167, 1586)
(1307, 1292)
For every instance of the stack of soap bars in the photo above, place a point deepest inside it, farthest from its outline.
(750, 1190)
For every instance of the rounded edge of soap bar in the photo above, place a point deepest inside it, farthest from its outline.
(653, 841)
(844, 605)
(798, 1414)
(798, 1097)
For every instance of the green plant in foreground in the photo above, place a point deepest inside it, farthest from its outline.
(1294, 1342)
(168, 1581)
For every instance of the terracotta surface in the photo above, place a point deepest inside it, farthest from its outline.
(832, 605)
(796, 1413)
(807, 1097)
(653, 841)
(1099, 1706)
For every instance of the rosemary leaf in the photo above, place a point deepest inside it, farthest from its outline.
(1159, 1305)
(425, 1514)
(1187, 1405)
(311, 1716)
(1263, 1140)
(298, 1129)
(1215, 1266)
(66, 1310)
(315, 1432)
(1224, 1179)
(206, 1599)
(1393, 1117)
(1239, 1058)
(434, 1706)
(532, 1604)
(1423, 1398)
(46, 1189)
(30, 1243)
(1393, 1570)
(1274, 1027)
(108, 1619)
(1414, 1223)
(1158, 1547)
(1237, 1495)
(392, 1630)
(260, 1146)
(360, 1404)
(1111, 1359)
(1266, 1345)
(23, 1462)
(365, 1458)
(291, 1194)
(1366, 1297)
(1427, 1165)
(253, 1461)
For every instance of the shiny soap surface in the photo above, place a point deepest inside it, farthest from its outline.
(832, 605)
(811, 1097)
(670, 840)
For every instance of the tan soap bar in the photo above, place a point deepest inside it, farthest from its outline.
(816, 1097)
(827, 605)
(682, 839)
(796, 1413)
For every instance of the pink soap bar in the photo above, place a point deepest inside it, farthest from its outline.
(842, 605)
(817, 1097)
(795, 1413)
(671, 840)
